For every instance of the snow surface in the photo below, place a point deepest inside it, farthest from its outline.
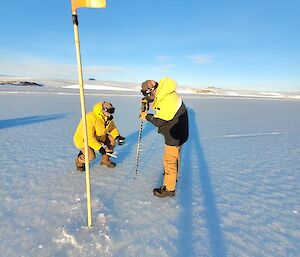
(237, 195)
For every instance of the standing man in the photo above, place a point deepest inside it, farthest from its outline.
(102, 134)
(171, 118)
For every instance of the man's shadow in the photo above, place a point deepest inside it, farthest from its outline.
(193, 149)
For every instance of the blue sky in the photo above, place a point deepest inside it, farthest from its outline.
(229, 44)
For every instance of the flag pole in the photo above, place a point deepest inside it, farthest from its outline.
(83, 114)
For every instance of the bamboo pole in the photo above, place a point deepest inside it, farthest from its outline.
(83, 114)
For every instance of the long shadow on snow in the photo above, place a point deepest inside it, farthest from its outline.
(185, 239)
(185, 226)
(30, 120)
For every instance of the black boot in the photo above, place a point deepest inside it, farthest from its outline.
(163, 192)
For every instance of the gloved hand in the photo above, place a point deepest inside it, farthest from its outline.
(144, 105)
(104, 149)
(120, 140)
(143, 115)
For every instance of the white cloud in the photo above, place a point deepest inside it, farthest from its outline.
(43, 68)
(163, 58)
(200, 58)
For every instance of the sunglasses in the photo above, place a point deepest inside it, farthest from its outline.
(109, 110)
(148, 91)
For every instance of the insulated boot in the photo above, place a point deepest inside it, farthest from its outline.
(107, 162)
(163, 192)
(78, 162)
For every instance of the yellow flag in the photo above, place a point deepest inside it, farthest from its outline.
(88, 4)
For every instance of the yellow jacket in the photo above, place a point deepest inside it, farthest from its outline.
(166, 102)
(98, 125)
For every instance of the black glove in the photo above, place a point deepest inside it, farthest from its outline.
(144, 105)
(121, 140)
(102, 150)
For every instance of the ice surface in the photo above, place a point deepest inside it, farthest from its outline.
(237, 195)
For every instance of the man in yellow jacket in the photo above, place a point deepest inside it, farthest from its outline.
(171, 118)
(102, 134)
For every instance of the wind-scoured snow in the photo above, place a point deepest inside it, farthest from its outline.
(237, 194)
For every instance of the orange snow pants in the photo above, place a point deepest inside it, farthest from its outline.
(171, 165)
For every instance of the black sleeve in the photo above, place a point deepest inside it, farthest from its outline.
(155, 121)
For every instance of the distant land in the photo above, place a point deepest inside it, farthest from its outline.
(97, 85)
(19, 83)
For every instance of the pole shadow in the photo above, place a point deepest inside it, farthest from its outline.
(211, 214)
(30, 120)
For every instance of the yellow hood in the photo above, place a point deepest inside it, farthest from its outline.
(165, 87)
(98, 125)
(97, 110)
(166, 100)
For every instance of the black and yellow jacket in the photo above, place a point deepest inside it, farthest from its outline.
(98, 125)
(170, 116)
